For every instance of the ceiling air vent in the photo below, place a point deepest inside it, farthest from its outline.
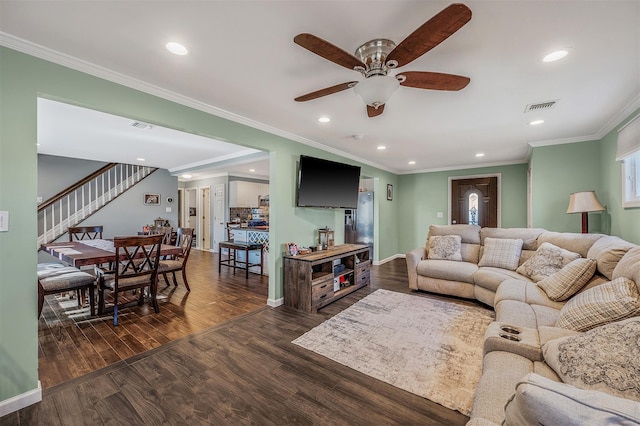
(540, 106)
(141, 125)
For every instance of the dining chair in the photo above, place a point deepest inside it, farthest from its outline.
(78, 233)
(54, 278)
(178, 262)
(138, 258)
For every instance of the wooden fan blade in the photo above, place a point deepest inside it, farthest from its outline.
(374, 112)
(431, 33)
(326, 91)
(434, 80)
(327, 50)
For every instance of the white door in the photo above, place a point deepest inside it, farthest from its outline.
(205, 218)
(219, 231)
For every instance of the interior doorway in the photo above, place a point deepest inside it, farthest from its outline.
(219, 208)
(474, 200)
(205, 218)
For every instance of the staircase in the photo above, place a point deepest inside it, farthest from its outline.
(86, 197)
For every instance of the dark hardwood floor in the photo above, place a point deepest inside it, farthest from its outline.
(218, 356)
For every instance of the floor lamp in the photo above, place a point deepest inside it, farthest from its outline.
(584, 202)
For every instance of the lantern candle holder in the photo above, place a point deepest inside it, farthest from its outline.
(325, 238)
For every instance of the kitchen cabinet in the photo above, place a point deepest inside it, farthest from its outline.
(246, 194)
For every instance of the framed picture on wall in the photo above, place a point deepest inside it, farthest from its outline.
(151, 199)
(390, 192)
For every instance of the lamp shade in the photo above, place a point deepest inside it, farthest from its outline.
(376, 90)
(581, 202)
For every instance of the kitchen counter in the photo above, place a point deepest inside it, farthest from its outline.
(254, 234)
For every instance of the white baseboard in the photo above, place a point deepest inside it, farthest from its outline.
(21, 401)
(388, 259)
(275, 303)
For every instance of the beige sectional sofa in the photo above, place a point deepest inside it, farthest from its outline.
(557, 296)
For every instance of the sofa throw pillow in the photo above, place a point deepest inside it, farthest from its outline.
(546, 261)
(501, 253)
(604, 359)
(568, 280)
(608, 302)
(541, 401)
(445, 247)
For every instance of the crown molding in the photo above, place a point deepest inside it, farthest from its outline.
(604, 130)
(86, 67)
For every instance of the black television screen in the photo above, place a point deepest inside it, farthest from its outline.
(324, 183)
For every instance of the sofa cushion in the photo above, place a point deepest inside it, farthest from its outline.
(629, 266)
(470, 234)
(577, 243)
(605, 359)
(446, 270)
(501, 253)
(612, 301)
(497, 383)
(546, 261)
(445, 247)
(566, 282)
(528, 236)
(522, 314)
(526, 292)
(540, 401)
(608, 251)
(491, 278)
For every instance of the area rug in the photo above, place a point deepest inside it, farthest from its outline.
(429, 347)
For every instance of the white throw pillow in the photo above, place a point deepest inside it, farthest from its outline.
(501, 253)
(546, 261)
(541, 401)
(605, 303)
(445, 247)
(606, 359)
(569, 280)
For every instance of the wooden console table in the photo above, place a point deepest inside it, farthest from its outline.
(314, 280)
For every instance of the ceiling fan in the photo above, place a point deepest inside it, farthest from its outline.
(376, 58)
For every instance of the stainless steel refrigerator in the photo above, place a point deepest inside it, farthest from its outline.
(358, 223)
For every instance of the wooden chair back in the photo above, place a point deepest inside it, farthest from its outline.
(184, 240)
(165, 231)
(78, 233)
(137, 268)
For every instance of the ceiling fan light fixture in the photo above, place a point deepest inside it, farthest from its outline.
(376, 90)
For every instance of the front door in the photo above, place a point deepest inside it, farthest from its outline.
(475, 201)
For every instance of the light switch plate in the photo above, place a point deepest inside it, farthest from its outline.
(167, 210)
(439, 215)
(4, 221)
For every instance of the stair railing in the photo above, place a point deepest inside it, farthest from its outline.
(82, 199)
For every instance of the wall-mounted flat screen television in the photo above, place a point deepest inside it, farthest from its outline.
(324, 183)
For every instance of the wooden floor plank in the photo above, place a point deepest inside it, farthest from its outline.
(233, 362)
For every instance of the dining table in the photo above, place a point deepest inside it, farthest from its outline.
(93, 252)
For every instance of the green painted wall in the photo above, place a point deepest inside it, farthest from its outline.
(624, 222)
(422, 196)
(556, 172)
(23, 78)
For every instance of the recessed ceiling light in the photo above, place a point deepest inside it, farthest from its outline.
(536, 122)
(412, 162)
(141, 159)
(324, 119)
(252, 170)
(176, 48)
(381, 148)
(555, 56)
(480, 154)
(187, 176)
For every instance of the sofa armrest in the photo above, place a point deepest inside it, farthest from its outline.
(413, 258)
